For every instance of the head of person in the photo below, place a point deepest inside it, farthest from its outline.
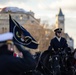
(58, 32)
(6, 43)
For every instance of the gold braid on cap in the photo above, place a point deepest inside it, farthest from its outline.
(9, 42)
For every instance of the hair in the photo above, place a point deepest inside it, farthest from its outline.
(56, 33)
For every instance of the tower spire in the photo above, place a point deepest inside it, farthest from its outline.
(60, 13)
(60, 20)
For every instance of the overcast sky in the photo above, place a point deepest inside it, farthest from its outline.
(47, 10)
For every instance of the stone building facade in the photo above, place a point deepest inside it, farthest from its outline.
(24, 18)
(60, 20)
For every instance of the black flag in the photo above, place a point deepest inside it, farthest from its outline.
(21, 35)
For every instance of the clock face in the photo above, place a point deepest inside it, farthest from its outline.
(61, 21)
(61, 18)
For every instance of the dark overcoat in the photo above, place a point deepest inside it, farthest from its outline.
(10, 65)
(58, 45)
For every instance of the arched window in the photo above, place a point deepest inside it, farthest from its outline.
(5, 29)
(2, 29)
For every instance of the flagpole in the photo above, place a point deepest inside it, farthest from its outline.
(9, 15)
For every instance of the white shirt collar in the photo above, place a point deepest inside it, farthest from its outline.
(58, 38)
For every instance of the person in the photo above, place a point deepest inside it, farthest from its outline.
(12, 65)
(57, 46)
(58, 42)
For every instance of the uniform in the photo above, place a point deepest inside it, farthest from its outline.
(58, 45)
(10, 65)
(58, 42)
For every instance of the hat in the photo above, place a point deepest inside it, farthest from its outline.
(58, 30)
(6, 36)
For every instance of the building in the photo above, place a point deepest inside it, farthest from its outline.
(70, 41)
(60, 20)
(20, 15)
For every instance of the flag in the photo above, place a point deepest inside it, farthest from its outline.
(21, 35)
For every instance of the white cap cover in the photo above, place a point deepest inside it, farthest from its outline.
(6, 36)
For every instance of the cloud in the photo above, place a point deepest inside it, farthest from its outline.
(42, 4)
(5, 3)
(65, 4)
(53, 6)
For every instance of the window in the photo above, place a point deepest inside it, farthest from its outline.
(32, 21)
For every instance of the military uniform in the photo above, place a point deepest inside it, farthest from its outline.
(58, 42)
(58, 45)
(10, 65)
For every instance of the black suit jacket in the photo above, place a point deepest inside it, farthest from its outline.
(10, 65)
(58, 45)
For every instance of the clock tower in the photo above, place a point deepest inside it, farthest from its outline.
(60, 20)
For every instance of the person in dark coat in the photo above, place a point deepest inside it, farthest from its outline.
(10, 65)
(58, 42)
(57, 46)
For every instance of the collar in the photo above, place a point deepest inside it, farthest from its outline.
(58, 38)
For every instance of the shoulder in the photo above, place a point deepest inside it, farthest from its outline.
(53, 39)
(63, 38)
